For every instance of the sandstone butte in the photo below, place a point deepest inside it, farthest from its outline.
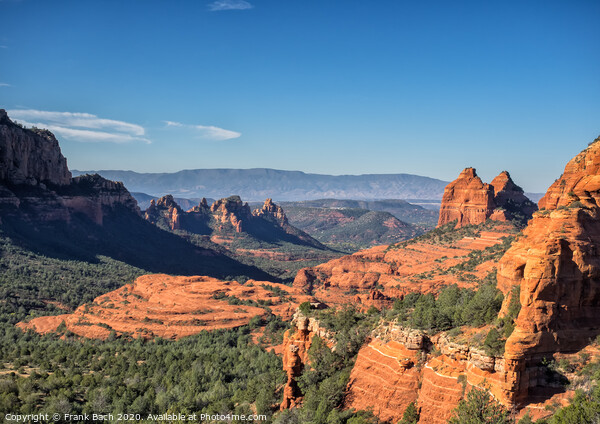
(470, 201)
(160, 305)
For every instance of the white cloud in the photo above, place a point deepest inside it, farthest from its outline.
(229, 5)
(3, 84)
(207, 131)
(3, 47)
(83, 127)
(216, 133)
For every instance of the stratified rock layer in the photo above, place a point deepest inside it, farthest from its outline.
(400, 365)
(160, 305)
(466, 200)
(36, 185)
(426, 264)
(556, 263)
(30, 156)
(469, 201)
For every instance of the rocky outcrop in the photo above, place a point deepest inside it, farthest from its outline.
(296, 343)
(556, 263)
(469, 201)
(36, 185)
(271, 211)
(231, 210)
(30, 156)
(400, 365)
(159, 305)
(227, 219)
(510, 200)
(165, 209)
(374, 298)
(466, 200)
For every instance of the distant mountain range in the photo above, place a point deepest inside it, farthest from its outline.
(260, 183)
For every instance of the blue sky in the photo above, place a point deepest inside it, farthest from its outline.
(336, 87)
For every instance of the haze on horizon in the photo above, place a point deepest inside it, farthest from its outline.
(338, 87)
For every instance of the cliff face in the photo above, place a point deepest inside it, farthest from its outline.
(36, 185)
(510, 200)
(400, 365)
(557, 265)
(470, 201)
(467, 200)
(30, 156)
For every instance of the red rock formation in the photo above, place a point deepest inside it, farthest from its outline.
(30, 156)
(166, 209)
(160, 305)
(233, 211)
(400, 365)
(556, 263)
(385, 379)
(201, 207)
(510, 199)
(271, 211)
(374, 298)
(423, 265)
(469, 201)
(296, 343)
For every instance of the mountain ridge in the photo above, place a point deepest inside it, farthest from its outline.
(256, 184)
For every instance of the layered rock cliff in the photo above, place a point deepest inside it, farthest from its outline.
(470, 201)
(556, 263)
(36, 185)
(30, 156)
(400, 365)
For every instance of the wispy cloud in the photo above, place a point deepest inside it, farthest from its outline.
(3, 84)
(207, 131)
(3, 47)
(83, 127)
(229, 5)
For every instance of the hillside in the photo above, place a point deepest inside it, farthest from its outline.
(401, 209)
(258, 184)
(350, 229)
